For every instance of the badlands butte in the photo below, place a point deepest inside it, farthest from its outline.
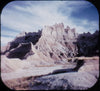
(54, 58)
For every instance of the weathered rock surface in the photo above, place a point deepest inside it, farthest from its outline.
(55, 42)
(22, 51)
(65, 81)
(22, 38)
(32, 54)
(83, 79)
(91, 66)
(11, 65)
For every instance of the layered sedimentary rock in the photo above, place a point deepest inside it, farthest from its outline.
(22, 38)
(50, 54)
(55, 42)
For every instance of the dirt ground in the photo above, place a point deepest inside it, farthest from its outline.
(21, 82)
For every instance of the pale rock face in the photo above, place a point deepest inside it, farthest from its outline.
(57, 42)
(52, 43)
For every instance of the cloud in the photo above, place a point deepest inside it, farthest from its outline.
(9, 33)
(31, 16)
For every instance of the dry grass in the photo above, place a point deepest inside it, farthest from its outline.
(85, 58)
(51, 65)
(20, 83)
(24, 83)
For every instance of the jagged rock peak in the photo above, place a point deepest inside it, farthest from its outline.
(58, 30)
(58, 27)
(56, 42)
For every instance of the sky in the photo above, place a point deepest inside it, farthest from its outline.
(31, 16)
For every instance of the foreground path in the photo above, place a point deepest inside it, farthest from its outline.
(32, 71)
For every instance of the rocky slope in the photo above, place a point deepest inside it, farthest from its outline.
(49, 51)
(55, 42)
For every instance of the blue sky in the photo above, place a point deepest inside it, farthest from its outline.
(30, 16)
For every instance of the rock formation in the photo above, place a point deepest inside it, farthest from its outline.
(22, 38)
(88, 44)
(55, 42)
(21, 51)
(50, 54)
